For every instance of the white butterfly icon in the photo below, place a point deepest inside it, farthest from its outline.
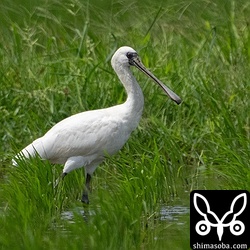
(203, 227)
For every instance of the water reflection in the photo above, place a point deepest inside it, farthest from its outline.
(173, 213)
(167, 213)
(85, 213)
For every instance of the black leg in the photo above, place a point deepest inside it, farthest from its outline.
(59, 179)
(85, 197)
(63, 175)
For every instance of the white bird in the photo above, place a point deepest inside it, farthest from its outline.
(83, 139)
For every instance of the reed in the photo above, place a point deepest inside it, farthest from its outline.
(55, 62)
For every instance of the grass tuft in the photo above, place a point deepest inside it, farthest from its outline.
(55, 62)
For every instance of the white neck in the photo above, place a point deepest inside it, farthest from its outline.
(135, 100)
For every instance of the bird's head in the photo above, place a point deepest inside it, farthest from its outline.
(127, 56)
(124, 56)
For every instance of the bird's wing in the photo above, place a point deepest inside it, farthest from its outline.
(83, 134)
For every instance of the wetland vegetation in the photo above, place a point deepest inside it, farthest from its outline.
(55, 62)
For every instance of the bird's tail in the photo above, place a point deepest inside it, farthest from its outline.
(25, 153)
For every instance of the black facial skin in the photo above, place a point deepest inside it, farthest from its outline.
(131, 56)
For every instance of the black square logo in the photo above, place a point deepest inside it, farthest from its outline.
(219, 219)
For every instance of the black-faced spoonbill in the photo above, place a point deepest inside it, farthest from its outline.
(83, 140)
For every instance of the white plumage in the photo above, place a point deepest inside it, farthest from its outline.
(82, 140)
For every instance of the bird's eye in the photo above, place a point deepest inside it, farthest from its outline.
(130, 55)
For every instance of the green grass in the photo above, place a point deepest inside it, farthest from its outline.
(55, 62)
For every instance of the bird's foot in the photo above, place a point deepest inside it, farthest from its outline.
(85, 199)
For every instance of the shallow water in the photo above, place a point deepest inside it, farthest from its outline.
(173, 213)
(167, 213)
